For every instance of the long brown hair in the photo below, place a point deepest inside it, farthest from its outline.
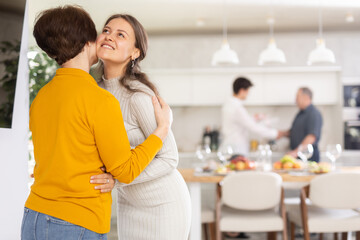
(133, 71)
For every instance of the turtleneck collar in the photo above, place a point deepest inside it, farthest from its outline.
(111, 84)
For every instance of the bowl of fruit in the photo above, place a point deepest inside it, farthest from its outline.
(319, 168)
(238, 163)
(287, 163)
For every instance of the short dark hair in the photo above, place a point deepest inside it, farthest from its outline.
(241, 83)
(62, 32)
(307, 91)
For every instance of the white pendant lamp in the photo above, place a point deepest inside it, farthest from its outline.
(225, 55)
(349, 17)
(272, 54)
(321, 54)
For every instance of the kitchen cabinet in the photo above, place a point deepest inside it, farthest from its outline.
(272, 86)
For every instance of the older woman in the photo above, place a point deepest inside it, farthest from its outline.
(77, 128)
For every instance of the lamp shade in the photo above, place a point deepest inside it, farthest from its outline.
(271, 54)
(321, 54)
(225, 55)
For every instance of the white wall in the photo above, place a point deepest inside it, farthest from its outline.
(189, 123)
(14, 154)
(195, 51)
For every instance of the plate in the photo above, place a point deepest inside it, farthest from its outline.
(319, 172)
(289, 170)
(299, 173)
(233, 171)
(245, 170)
(280, 170)
(222, 174)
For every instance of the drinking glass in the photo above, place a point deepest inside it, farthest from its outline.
(305, 152)
(261, 157)
(333, 152)
(224, 153)
(202, 154)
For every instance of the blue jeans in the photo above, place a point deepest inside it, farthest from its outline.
(38, 226)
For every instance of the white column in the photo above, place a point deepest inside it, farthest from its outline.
(14, 154)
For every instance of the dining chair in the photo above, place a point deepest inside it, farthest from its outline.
(329, 204)
(251, 202)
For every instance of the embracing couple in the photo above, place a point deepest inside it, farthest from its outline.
(88, 132)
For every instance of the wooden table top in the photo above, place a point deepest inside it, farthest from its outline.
(189, 176)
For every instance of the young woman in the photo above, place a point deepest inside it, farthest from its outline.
(156, 205)
(77, 128)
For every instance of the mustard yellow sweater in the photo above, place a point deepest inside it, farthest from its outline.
(77, 127)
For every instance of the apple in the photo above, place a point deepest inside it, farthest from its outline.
(250, 165)
(277, 165)
(287, 165)
(234, 161)
(238, 159)
(240, 165)
(297, 165)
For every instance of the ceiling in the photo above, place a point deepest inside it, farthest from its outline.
(185, 16)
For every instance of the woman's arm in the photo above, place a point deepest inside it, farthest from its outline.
(124, 163)
(166, 160)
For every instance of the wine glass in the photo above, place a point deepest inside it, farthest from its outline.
(202, 153)
(224, 153)
(305, 152)
(333, 152)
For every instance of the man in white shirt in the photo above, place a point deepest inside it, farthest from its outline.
(237, 124)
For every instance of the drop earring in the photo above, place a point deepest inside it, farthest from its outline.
(132, 63)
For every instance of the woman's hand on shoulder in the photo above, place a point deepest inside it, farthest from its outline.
(163, 116)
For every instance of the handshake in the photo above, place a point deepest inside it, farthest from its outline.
(283, 134)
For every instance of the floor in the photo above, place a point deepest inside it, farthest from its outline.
(253, 236)
(262, 236)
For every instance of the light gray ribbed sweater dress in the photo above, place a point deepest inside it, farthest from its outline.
(156, 205)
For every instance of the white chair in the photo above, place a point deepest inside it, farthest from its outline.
(251, 202)
(328, 205)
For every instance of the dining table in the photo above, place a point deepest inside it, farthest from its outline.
(194, 179)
